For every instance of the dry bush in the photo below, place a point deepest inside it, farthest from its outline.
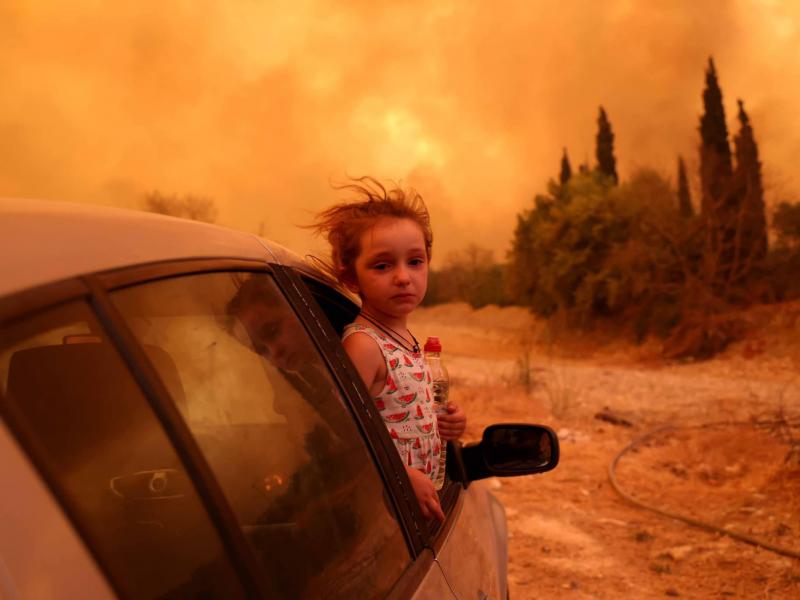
(701, 336)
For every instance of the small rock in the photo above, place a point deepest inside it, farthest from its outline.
(678, 552)
(546, 549)
(660, 568)
(734, 469)
(611, 417)
(677, 469)
(643, 536)
(511, 512)
(671, 592)
(782, 529)
(495, 483)
(571, 436)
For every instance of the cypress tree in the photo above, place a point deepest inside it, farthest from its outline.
(715, 153)
(750, 190)
(684, 198)
(566, 169)
(719, 202)
(604, 148)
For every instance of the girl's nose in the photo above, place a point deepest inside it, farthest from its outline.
(401, 276)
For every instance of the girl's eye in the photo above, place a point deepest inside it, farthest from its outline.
(380, 266)
(416, 262)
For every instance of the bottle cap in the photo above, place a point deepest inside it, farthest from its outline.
(433, 345)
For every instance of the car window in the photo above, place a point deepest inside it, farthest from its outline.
(272, 424)
(72, 401)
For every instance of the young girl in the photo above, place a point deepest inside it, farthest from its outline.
(380, 249)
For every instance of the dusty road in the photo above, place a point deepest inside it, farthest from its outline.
(572, 535)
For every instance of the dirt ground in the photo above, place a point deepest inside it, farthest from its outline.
(729, 461)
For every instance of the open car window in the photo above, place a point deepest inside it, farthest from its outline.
(274, 428)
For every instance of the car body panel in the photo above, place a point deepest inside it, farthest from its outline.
(434, 586)
(58, 240)
(480, 534)
(41, 556)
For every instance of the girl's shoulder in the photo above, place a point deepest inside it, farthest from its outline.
(359, 328)
(387, 346)
(371, 338)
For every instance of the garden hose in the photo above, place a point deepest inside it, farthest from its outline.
(688, 520)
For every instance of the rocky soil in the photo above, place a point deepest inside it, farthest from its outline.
(731, 459)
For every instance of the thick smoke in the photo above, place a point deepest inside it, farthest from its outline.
(261, 105)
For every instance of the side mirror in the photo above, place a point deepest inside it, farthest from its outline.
(511, 449)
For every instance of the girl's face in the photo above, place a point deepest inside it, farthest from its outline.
(392, 268)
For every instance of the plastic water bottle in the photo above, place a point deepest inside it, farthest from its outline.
(440, 382)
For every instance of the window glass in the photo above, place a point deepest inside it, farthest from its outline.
(277, 434)
(69, 393)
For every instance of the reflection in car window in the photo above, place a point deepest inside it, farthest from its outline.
(71, 396)
(275, 431)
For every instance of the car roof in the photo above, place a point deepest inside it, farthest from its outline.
(43, 241)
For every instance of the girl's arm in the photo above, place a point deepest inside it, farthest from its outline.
(368, 361)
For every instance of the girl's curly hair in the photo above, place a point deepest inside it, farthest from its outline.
(343, 224)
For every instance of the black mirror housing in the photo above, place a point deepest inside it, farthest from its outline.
(511, 450)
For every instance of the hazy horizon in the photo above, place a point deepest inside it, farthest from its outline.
(261, 105)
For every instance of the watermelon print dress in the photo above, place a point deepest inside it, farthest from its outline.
(406, 403)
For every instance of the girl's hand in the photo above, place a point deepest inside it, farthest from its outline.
(425, 493)
(452, 424)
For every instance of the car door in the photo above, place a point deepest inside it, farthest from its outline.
(191, 463)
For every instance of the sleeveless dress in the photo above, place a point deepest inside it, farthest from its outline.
(406, 403)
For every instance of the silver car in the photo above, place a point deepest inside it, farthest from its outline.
(179, 420)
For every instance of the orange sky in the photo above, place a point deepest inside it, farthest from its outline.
(260, 104)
